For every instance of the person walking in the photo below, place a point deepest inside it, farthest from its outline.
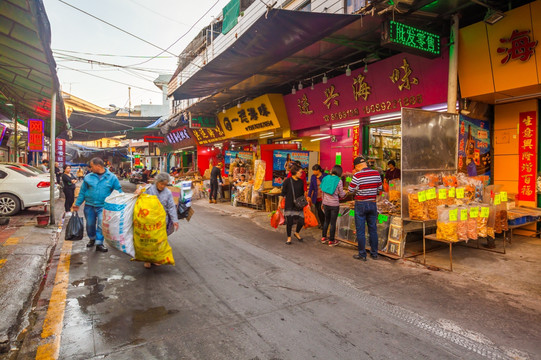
(333, 190)
(315, 194)
(80, 173)
(292, 188)
(215, 180)
(366, 184)
(97, 186)
(68, 182)
(159, 189)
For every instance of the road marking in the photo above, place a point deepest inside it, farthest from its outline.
(52, 327)
(12, 241)
(2, 261)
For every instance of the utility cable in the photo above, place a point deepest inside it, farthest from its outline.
(112, 55)
(116, 27)
(90, 61)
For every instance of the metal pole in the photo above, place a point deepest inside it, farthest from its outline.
(129, 101)
(52, 158)
(15, 140)
(452, 85)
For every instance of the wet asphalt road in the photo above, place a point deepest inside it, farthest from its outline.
(238, 292)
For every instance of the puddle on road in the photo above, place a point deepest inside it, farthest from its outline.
(127, 326)
(95, 296)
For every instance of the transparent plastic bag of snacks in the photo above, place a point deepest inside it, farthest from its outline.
(500, 202)
(492, 227)
(395, 191)
(432, 203)
(260, 167)
(462, 225)
(417, 203)
(473, 214)
(482, 220)
(447, 223)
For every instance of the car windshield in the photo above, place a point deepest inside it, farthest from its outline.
(21, 171)
(33, 169)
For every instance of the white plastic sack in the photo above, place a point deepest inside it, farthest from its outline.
(117, 224)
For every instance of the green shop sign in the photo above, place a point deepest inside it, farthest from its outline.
(202, 122)
(406, 38)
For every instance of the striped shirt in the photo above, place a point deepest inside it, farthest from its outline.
(366, 184)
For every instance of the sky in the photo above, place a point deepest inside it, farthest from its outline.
(158, 22)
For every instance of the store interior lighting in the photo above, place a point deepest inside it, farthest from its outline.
(347, 124)
(493, 16)
(365, 67)
(300, 85)
(293, 90)
(348, 71)
(325, 79)
(266, 135)
(321, 138)
(312, 87)
(223, 110)
(238, 105)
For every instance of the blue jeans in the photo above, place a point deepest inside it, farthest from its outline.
(94, 218)
(366, 211)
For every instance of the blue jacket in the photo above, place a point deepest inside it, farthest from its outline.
(312, 190)
(95, 188)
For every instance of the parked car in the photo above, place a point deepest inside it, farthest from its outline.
(29, 168)
(21, 189)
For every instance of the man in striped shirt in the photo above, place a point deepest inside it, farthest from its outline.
(366, 184)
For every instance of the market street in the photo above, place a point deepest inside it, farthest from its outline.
(237, 292)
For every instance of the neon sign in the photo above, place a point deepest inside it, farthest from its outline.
(407, 38)
(35, 135)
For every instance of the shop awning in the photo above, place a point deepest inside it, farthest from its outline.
(275, 36)
(28, 75)
(91, 126)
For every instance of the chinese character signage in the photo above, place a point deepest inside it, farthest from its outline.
(406, 38)
(155, 139)
(207, 136)
(181, 137)
(202, 122)
(60, 151)
(527, 151)
(281, 160)
(503, 57)
(35, 135)
(474, 146)
(356, 142)
(403, 80)
(137, 161)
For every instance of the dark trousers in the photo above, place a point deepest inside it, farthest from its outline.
(331, 214)
(70, 198)
(290, 220)
(213, 190)
(366, 212)
(320, 213)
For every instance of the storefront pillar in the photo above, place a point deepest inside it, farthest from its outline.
(453, 67)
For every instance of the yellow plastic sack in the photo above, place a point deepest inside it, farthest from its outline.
(150, 231)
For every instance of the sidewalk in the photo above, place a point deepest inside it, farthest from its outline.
(515, 273)
(25, 251)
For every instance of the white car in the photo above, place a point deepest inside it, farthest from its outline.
(20, 189)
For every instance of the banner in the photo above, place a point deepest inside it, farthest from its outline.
(60, 151)
(35, 135)
(281, 160)
(474, 155)
(241, 156)
(527, 161)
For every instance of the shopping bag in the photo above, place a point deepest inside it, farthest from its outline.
(282, 219)
(310, 219)
(117, 225)
(150, 231)
(75, 228)
(182, 210)
(275, 219)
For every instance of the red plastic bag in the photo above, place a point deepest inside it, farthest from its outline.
(277, 219)
(310, 219)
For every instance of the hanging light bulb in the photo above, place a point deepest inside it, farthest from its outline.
(238, 105)
(293, 90)
(312, 87)
(223, 110)
(324, 80)
(300, 85)
(365, 67)
(348, 71)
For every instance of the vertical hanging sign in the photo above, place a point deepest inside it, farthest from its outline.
(356, 144)
(35, 135)
(61, 152)
(527, 156)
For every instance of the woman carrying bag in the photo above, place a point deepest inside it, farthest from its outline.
(333, 191)
(68, 186)
(293, 192)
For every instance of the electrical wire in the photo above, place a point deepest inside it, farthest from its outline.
(116, 27)
(91, 61)
(101, 77)
(111, 55)
(157, 13)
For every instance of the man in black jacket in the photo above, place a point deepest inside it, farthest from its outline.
(215, 179)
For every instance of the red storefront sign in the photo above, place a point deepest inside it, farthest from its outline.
(35, 135)
(527, 161)
(356, 142)
(61, 151)
(156, 139)
(403, 80)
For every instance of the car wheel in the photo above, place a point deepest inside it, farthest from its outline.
(9, 205)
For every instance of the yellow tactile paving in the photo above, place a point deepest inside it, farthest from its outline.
(12, 241)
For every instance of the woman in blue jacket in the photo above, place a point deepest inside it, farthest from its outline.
(315, 194)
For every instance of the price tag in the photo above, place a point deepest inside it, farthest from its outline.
(352, 213)
(348, 179)
(452, 192)
(453, 215)
(474, 212)
(463, 214)
(484, 212)
(431, 194)
(422, 196)
(442, 194)
(503, 196)
(460, 193)
(497, 199)
(382, 218)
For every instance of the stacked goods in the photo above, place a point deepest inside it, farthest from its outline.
(462, 226)
(500, 201)
(432, 203)
(260, 168)
(417, 204)
(491, 226)
(482, 221)
(472, 222)
(447, 223)
(395, 192)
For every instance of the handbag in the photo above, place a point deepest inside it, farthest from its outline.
(300, 202)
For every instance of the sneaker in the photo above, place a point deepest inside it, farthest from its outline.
(91, 243)
(333, 243)
(359, 257)
(323, 240)
(101, 248)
